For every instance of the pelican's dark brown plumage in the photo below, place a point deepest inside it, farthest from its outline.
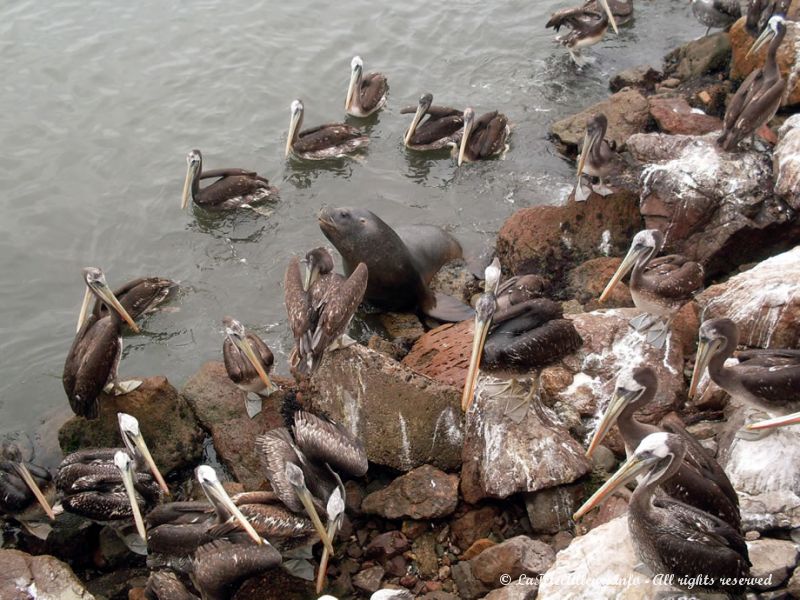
(240, 370)
(597, 154)
(759, 12)
(332, 140)
(26, 490)
(433, 127)
(139, 296)
(483, 137)
(164, 585)
(366, 94)
(220, 567)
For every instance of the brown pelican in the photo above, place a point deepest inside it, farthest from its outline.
(333, 140)
(659, 286)
(768, 379)
(483, 137)
(164, 585)
(700, 481)
(596, 158)
(247, 360)
(320, 305)
(531, 333)
(588, 25)
(716, 13)
(220, 567)
(233, 188)
(759, 12)
(24, 489)
(669, 536)
(365, 95)
(93, 359)
(442, 127)
(139, 296)
(760, 95)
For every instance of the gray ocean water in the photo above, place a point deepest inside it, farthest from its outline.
(100, 101)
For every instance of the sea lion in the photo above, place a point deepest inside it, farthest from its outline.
(401, 262)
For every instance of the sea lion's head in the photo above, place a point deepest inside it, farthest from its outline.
(351, 230)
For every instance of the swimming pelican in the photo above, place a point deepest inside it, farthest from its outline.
(760, 95)
(139, 296)
(597, 156)
(759, 12)
(700, 481)
(233, 188)
(442, 127)
(93, 359)
(320, 305)
(333, 140)
(716, 13)
(588, 26)
(671, 537)
(247, 361)
(365, 94)
(482, 138)
(659, 286)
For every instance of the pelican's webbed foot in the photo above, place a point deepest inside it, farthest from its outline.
(120, 388)
(253, 405)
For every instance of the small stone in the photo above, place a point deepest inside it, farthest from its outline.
(476, 548)
(412, 529)
(772, 560)
(793, 587)
(603, 458)
(517, 556)
(425, 550)
(397, 566)
(644, 77)
(551, 510)
(387, 545)
(354, 495)
(672, 82)
(424, 493)
(404, 328)
(409, 581)
(705, 97)
(369, 580)
(473, 525)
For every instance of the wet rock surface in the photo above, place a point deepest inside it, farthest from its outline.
(699, 57)
(786, 162)
(26, 577)
(643, 77)
(165, 420)
(423, 493)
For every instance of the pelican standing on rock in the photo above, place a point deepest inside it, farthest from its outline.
(588, 25)
(333, 140)
(760, 95)
(597, 156)
(671, 537)
(365, 94)
(483, 137)
(659, 286)
(233, 188)
(768, 380)
(433, 127)
(247, 360)
(716, 13)
(93, 359)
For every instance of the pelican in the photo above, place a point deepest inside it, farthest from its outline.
(588, 26)
(24, 488)
(700, 481)
(660, 286)
(442, 127)
(768, 380)
(333, 140)
(139, 296)
(597, 156)
(482, 138)
(247, 360)
(233, 188)
(760, 95)
(220, 567)
(93, 359)
(320, 305)
(365, 95)
(716, 13)
(528, 334)
(759, 12)
(671, 537)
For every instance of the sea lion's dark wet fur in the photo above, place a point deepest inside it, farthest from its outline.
(401, 262)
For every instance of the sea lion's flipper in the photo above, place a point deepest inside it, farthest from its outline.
(447, 308)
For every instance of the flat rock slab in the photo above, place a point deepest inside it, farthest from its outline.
(423, 493)
(26, 577)
(773, 561)
(674, 115)
(166, 422)
(219, 407)
(786, 162)
(405, 419)
(443, 353)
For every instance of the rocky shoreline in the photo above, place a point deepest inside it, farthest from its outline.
(481, 507)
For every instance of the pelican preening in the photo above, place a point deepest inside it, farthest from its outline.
(759, 12)
(483, 137)
(716, 13)
(433, 127)
(94, 357)
(333, 140)
(668, 535)
(365, 94)
(588, 26)
(700, 481)
(760, 95)
(24, 486)
(659, 286)
(597, 156)
(233, 188)
(139, 296)
(247, 360)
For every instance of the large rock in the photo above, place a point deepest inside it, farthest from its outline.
(674, 115)
(786, 162)
(166, 422)
(424, 493)
(443, 353)
(219, 406)
(505, 454)
(700, 57)
(588, 280)
(551, 510)
(552, 239)
(773, 561)
(763, 301)
(405, 419)
(643, 77)
(712, 206)
(26, 577)
(627, 113)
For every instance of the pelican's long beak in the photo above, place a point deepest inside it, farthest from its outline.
(783, 421)
(308, 274)
(414, 123)
(124, 464)
(335, 508)
(468, 124)
(138, 441)
(627, 472)
(222, 502)
(619, 400)
(588, 143)
(23, 472)
(109, 298)
(87, 298)
(482, 326)
(297, 480)
(765, 37)
(187, 187)
(705, 351)
(244, 345)
(355, 77)
(294, 122)
(626, 265)
(611, 19)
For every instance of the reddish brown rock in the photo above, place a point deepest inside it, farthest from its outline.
(387, 545)
(443, 353)
(476, 548)
(369, 580)
(674, 115)
(517, 556)
(26, 577)
(614, 507)
(424, 493)
(588, 280)
(473, 525)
